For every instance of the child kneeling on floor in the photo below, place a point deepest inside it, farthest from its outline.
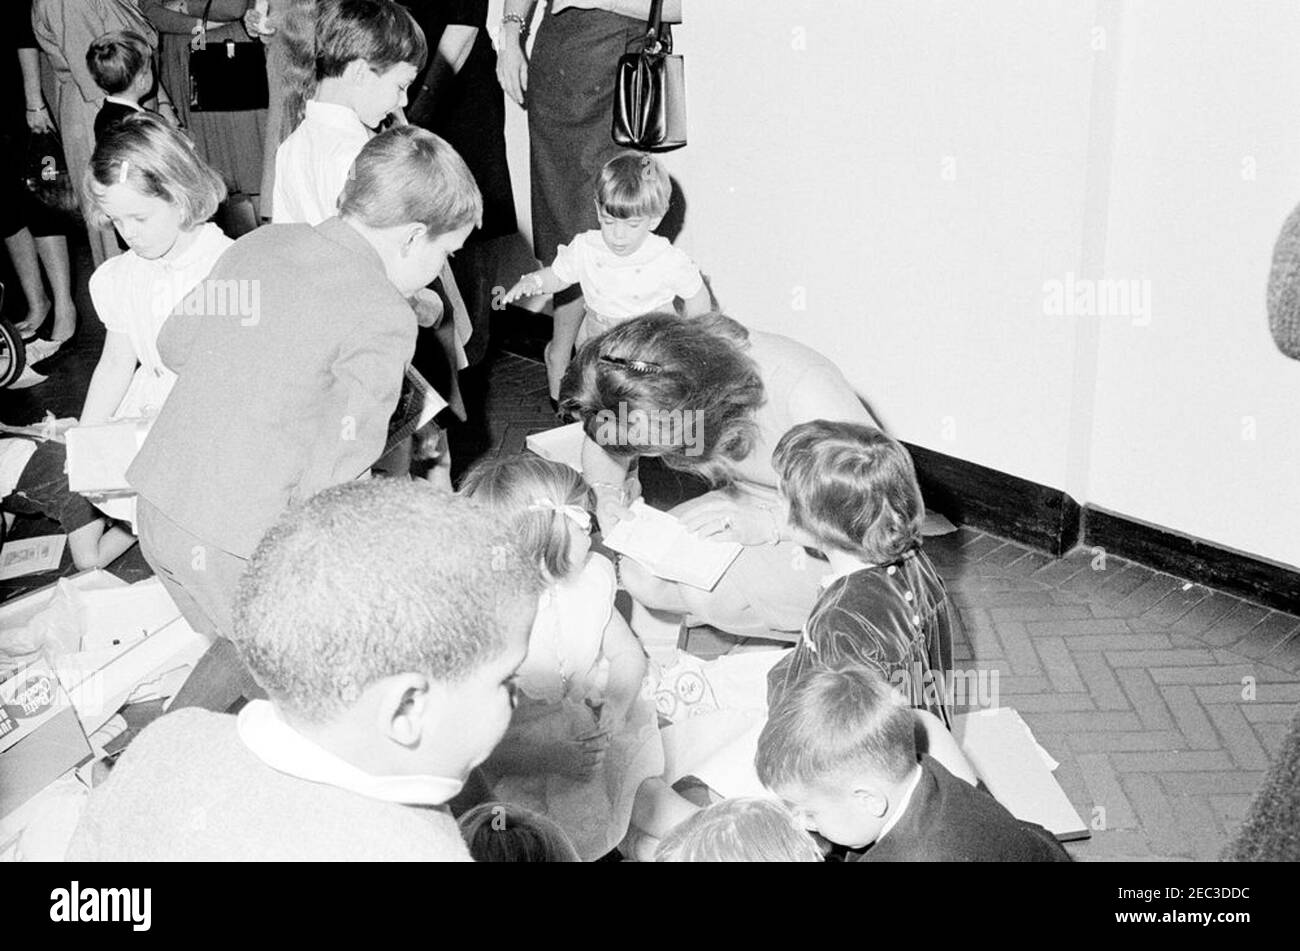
(583, 746)
(385, 621)
(840, 749)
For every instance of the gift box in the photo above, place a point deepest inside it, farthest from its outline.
(40, 734)
(98, 456)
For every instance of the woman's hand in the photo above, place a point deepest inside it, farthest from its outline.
(579, 757)
(723, 520)
(38, 119)
(512, 63)
(257, 24)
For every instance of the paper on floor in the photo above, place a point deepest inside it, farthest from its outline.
(662, 544)
(562, 444)
(31, 556)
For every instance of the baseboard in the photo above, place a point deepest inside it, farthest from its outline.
(1006, 505)
(1050, 520)
(1267, 582)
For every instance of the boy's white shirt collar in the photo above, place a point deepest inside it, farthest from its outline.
(330, 113)
(283, 748)
(902, 803)
(124, 102)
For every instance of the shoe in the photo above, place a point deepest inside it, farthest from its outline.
(40, 350)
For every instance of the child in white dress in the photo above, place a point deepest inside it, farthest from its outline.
(149, 182)
(583, 746)
(625, 270)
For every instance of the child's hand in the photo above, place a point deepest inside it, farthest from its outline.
(428, 307)
(527, 286)
(581, 756)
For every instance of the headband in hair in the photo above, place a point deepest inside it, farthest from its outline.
(574, 513)
(122, 172)
(636, 366)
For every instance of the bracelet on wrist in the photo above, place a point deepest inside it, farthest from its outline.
(518, 19)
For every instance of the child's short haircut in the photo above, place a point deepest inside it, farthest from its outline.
(116, 59)
(145, 152)
(851, 487)
(634, 185)
(501, 832)
(834, 723)
(407, 175)
(739, 830)
(372, 579)
(513, 485)
(377, 31)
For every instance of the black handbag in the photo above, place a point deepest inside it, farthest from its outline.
(46, 176)
(650, 91)
(226, 77)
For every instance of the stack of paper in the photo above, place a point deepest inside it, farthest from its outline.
(98, 456)
(562, 444)
(663, 545)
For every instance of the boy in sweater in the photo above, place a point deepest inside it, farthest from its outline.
(840, 749)
(384, 620)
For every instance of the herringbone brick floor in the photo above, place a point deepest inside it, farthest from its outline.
(1162, 699)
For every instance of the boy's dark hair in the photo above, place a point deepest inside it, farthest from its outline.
(371, 579)
(503, 832)
(377, 31)
(833, 723)
(116, 59)
(851, 487)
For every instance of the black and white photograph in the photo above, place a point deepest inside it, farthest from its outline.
(651, 431)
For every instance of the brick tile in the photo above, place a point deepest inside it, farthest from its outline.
(1196, 822)
(1014, 686)
(1006, 555)
(1267, 636)
(1269, 712)
(1176, 603)
(1045, 611)
(979, 546)
(1234, 625)
(1168, 762)
(1155, 813)
(1063, 569)
(1169, 658)
(1145, 742)
(1119, 642)
(1219, 782)
(1054, 656)
(1065, 627)
(1071, 723)
(1031, 561)
(1231, 808)
(1123, 582)
(1272, 735)
(1264, 693)
(1146, 699)
(1105, 789)
(1112, 845)
(1238, 736)
(1100, 679)
(1216, 674)
(983, 635)
(1085, 582)
(1190, 717)
(1051, 703)
(1207, 612)
(1287, 656)
(1019, 648)
(1149, 594)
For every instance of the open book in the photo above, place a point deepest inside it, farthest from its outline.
(98, 456)
(661, 543)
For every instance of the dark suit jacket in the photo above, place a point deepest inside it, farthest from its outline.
(110, 113)
(290, 357)
(949, 820)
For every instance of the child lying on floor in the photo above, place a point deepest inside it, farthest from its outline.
(840, 750)
(583, 746)
(32, 482)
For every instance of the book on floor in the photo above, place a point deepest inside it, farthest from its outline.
(662, 544)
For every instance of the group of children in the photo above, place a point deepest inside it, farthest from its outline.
(580, 769)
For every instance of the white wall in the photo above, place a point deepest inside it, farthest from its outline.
(894, 182)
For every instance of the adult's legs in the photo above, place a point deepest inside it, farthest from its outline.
(22, 251)
(53, 251)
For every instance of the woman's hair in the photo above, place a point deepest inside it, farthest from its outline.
(407, 174)
(832, 724)
(658, 385)
(851, 487)
(634, 185)
(513, 486)
(116, 59)
(739, 830)
(145, 152)
(323, 36)
(502, 832)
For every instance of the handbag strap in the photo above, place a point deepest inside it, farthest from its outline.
(654, 28)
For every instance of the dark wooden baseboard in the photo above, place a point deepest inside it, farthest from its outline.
(1015, 508)
(1050, 520)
